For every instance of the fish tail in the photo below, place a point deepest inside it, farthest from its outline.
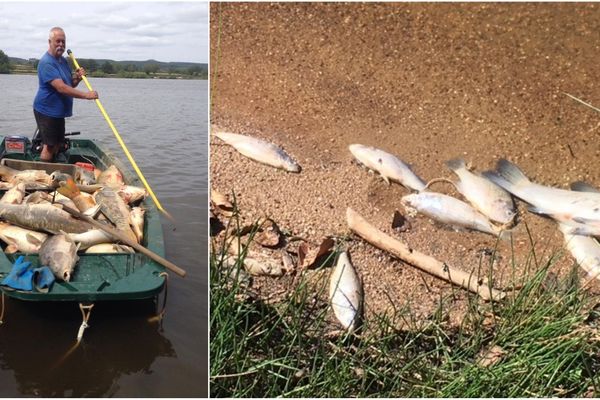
(511, 173)
(456, 164)
(68, 188)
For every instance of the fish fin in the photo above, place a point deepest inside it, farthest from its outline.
(386, 179)
(33, 240)
(581, 220)
(456, 163)
(581, 186)
(68, 188)
(11, 249)
(505, 234)
(93, 211)
(511, 173)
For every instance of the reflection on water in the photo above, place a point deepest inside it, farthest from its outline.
(38, 360)
(165, 126)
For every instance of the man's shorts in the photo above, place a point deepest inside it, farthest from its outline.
(52, 130)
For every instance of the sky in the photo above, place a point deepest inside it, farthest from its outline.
(120, 31)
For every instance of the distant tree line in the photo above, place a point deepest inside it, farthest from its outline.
(4, 63)
(122, 69)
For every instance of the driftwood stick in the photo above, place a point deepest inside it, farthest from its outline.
(422, 261)
(123, 238)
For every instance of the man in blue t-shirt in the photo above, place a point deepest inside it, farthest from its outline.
(54, 99)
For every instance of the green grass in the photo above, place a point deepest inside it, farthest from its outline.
(551, 345)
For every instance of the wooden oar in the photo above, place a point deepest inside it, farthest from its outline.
(119, 236)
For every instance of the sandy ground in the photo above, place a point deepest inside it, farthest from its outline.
(426, 82)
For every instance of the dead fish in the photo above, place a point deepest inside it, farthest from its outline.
(115, 209)
(489, 198)
(389, 166)
(585, 250)
(15, 195)
(83, 201)
(21, 239)
(109, 248)
(91, 238)
(136, 218)
(346, 293)
(84, 176)
(132, 194)
(259, 150)
(263, 267)
(111, 177)
(449, 210)
(59, 253)
(560, 204)
(42, 217)
(31, 176)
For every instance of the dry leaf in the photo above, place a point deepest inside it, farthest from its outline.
(313, 254)
(221, 204)
(490, 357)
(262, 267)
(268, 234)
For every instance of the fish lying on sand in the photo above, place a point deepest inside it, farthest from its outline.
(563, 205)
(346, 293)
(42, 217)
(59, 253)
(585, 250)
(259, 150)
(21, 239)
(389, 166)
(451, 211)
(489, 198)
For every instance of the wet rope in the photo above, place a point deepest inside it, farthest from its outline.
(162, 312)
(86, 311)
(2, 312)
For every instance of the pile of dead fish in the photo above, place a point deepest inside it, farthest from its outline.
(33, 220)
(488, 207)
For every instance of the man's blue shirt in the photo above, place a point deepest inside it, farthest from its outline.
(47, 100)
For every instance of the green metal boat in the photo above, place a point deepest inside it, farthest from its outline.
(97, 277)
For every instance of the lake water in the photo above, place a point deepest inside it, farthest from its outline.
(164, 124)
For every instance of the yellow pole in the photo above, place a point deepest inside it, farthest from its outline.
(131, 160)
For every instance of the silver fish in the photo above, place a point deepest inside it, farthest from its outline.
(137, 222)
(389, 166)
(42, 217)
(346, 293)
(449, 210)
(15, 195)
(115, 209)
(59, 253)
(489, 198)
(21, 239)
(585, 250)
(109, 248)
(563, 205)
(259, 150)
(91, 238)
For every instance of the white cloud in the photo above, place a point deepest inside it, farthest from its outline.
(165, 31)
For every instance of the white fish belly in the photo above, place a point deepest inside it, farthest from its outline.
(345, 292)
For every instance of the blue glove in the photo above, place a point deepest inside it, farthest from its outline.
(20, 277)
(43, 278)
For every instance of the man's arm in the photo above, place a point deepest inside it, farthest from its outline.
(65, 89)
